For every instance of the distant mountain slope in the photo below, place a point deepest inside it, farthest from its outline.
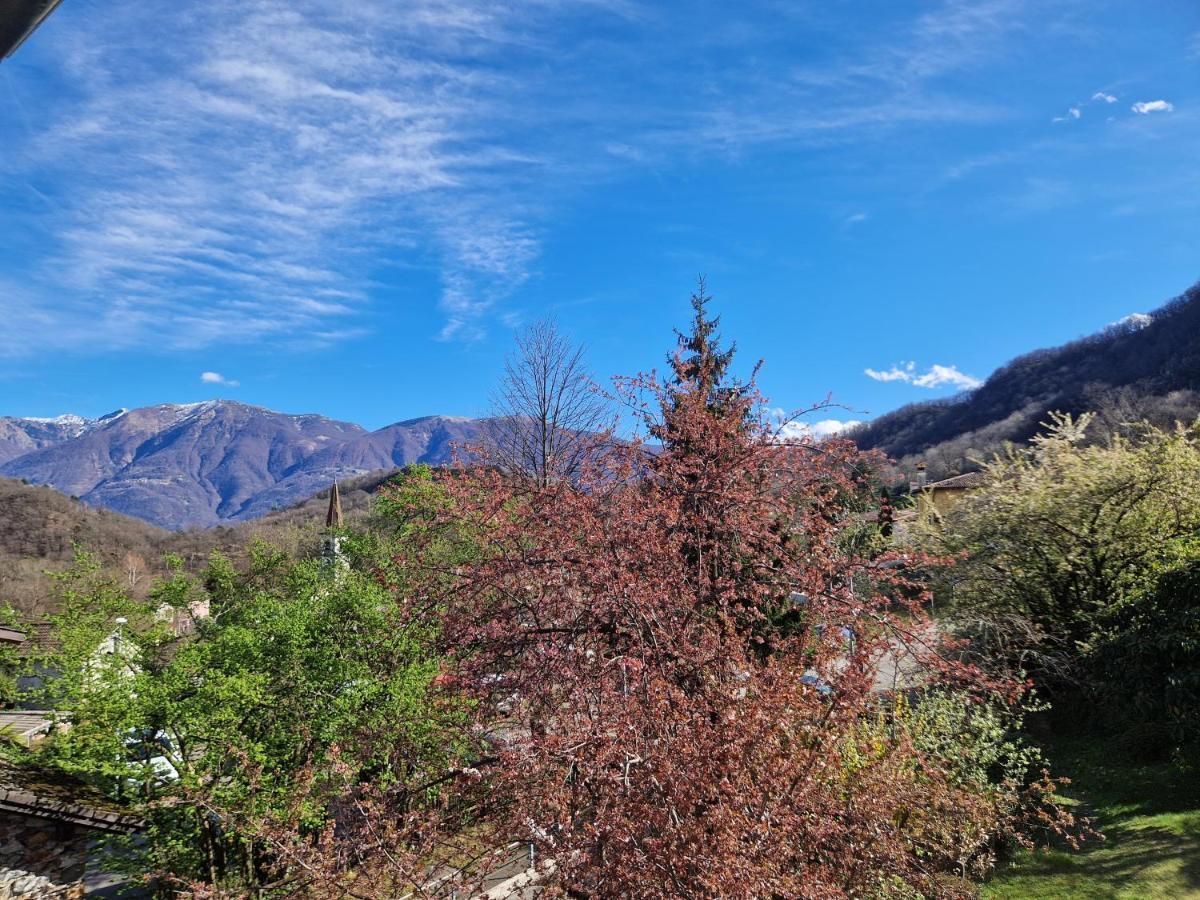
(198, 465)
(21, 436)
(1143, 367)
(430, 439)
(40, 529)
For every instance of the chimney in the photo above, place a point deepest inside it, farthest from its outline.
(918, 482)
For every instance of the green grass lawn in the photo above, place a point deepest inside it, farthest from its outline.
(1150, 817)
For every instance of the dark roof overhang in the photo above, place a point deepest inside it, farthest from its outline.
(19, 19)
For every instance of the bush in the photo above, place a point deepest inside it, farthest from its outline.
(1145, 742)
(977, 748)
(1059, 544)
(1145, 670)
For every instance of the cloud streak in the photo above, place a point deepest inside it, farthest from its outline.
(218, 378)
(273, 171)
(935, 377)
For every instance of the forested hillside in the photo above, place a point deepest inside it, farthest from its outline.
(1143, 367)
(41, 528)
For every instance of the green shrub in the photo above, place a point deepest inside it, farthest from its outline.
(1145, 742)
(1145, 670)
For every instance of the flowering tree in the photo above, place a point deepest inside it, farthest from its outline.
(674, 661)
(1059, 538)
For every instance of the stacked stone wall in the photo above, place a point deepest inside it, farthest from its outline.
(41, 858)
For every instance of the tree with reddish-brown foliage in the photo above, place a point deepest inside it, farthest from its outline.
(675, 663)
(676, 660)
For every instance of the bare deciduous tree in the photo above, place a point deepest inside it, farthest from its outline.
(133, 567)
(546, 412)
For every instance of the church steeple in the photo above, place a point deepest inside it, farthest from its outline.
(331, 540)
(333, 518)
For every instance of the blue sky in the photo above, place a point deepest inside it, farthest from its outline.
(347, 207)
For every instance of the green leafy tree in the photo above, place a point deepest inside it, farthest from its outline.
(1062, 533)
(232, 742)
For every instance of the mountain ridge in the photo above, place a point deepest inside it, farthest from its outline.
(1146, 366)
(212, 462)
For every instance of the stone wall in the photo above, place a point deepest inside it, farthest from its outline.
(41, 858)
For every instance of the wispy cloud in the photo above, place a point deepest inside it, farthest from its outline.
(1072, 114)
(1104, 97)
(936, 376)
(218, 378)
(1143, 107)
(239, 173)
(897, 80)
(229, 171)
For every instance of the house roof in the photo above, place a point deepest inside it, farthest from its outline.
(19, 19)
(38, 638)
(966, 481)
(49, 794)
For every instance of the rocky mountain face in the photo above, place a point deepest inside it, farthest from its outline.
(196, 465)
(430, 439)
(21, 436)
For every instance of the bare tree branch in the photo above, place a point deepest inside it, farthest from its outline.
(546, 413)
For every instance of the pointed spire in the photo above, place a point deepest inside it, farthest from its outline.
(333, 518)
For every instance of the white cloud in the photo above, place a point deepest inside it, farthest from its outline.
(798, 429)
(936, 376)
(942, 375)
(227, 171)
(1072, 114)
(895, 373)
(1148, 106)
(217, 378)
(854, 219)
(1107, 98)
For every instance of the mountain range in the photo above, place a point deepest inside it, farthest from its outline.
(196, 465)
